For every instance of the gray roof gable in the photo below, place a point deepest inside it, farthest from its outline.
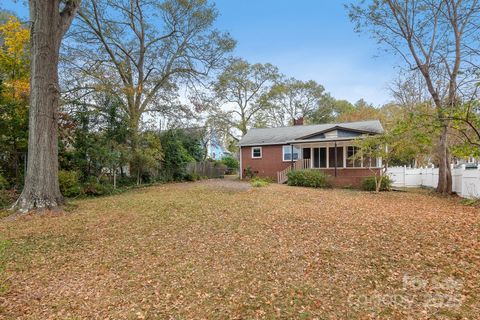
(282, 135)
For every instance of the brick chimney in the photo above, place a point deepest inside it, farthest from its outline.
(298, 122)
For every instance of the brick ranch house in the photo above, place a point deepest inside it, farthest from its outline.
(272, 152)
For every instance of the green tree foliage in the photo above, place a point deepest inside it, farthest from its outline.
(3, 182)
(241, 85)
(360, 111)
(93, 141)
(14, 91)
(231, 162)
(191, 141)
(99, 140)
(437, 40)
(466, 130)
(146, 157)
(69, 183)
(399, 144)
(176, 155)
(330, 110)
(291, 99)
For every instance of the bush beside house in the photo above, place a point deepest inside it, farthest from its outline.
(308, 178)
(369, 184)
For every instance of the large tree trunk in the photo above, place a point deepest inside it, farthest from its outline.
(41, 190)
(444, 171)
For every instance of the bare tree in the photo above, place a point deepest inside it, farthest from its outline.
(141, 50)
(292, 99)
(50, 20)
(435, 38)
(409, 90)
(238, 90)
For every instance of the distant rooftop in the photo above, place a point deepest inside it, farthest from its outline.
(284, 135)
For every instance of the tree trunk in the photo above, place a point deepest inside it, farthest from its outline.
(134, 126)
(378, 183)
(444, 171)
(48, 25)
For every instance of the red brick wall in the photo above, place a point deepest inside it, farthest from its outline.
(349, 176)
(271, 162)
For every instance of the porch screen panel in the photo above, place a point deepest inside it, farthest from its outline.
(316, 158)
(323, 157)
(306, 153)
(350, 154)
(369, 162)
(331, 157)
(353, 163)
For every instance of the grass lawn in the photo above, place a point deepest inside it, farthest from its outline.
(220, 250)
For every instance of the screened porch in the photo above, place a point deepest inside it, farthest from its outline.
(329, 155)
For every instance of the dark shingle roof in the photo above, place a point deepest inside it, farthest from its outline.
(283, 135)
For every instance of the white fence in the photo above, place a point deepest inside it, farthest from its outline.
(466, 182)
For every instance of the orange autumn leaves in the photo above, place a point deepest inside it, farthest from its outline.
(14, 59)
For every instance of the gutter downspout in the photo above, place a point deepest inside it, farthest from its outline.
(241, 166)
(291, 156)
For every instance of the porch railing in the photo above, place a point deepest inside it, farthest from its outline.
(282, 176)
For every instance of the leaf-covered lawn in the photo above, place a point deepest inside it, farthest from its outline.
(222, 250)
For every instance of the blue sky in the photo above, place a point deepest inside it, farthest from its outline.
(306, 39)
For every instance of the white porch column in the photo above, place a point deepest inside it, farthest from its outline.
(344, 156)
(311, 158)
(328, 156)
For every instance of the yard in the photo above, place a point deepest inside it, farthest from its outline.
(220, 249)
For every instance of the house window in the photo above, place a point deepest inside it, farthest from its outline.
(287, 153)
(256, 152)
(352, 160)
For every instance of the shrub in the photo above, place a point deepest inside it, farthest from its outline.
(308, 178)
(3, 183)
(69, 183)
(126, 181)
(7, 198)
(192, 177)
(231, 162)
(176, 157)
(368, 184)
(249, 172)
(93, 188)
(259, 182)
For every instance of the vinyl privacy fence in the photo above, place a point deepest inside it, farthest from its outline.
(466, 182)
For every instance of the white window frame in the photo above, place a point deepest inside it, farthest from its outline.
(299, 152)
(261, 152)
